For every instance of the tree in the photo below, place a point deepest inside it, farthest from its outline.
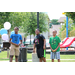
(26, 21)
(55, 22)
(63, 34)
(63, 29)
(71, 15)
(4, 16)
(31, 23)
(50, 25)
(43, 22)
(17, 19)
(72, 33)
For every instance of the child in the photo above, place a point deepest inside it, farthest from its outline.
(15, 43)
(55, 46)
(40, 43)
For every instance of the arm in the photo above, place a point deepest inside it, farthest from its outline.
(58, 40)
(12, 42)
(50, 44)
(20, 42)
(57, 47)
(51, 48)
(44, 44)
(34, 48)
(44, 47)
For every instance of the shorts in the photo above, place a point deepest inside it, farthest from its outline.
(41, 53)
(14, 50)
(55, 55)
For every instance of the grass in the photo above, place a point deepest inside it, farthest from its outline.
(62, 60)
(3, 57)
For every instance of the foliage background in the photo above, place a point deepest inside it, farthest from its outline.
(26, 21)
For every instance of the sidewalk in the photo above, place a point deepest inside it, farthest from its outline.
(46, 59)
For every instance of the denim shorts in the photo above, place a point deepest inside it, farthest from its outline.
(55, 55)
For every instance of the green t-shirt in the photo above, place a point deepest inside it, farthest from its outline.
(54, 41)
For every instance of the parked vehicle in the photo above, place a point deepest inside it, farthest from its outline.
(28, 42)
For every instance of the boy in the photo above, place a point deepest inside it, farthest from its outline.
(55, 46)
(15, 43)
(40, 43)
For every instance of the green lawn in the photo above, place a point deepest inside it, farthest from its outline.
(3, 57)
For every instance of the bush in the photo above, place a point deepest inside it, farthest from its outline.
(72, 33)
(63, 34)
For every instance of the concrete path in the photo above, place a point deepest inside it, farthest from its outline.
(46, 59)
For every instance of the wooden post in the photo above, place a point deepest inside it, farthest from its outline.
(8, 48)
(7, 53)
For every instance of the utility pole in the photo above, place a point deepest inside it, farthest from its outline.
(37, 19)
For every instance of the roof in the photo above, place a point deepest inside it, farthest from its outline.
(61, 19)
(55, 27)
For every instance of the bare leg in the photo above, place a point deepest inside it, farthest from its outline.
(16, 58)
(40, 60)
(11, 58)
(44, 59)
(52, 60)
(58, 60)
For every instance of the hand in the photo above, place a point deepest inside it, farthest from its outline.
(55, 50)
(17, 45)
(33, 50)
(52, 50)
(44, 47)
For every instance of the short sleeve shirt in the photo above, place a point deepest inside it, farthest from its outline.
(39, 41)
(16, 38)
(54, 41)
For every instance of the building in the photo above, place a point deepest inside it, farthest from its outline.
(48, 34)
(55, 27)
(61, 20)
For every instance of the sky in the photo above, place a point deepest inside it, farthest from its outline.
(55, 15)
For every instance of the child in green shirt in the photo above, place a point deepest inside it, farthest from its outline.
(55, 46)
